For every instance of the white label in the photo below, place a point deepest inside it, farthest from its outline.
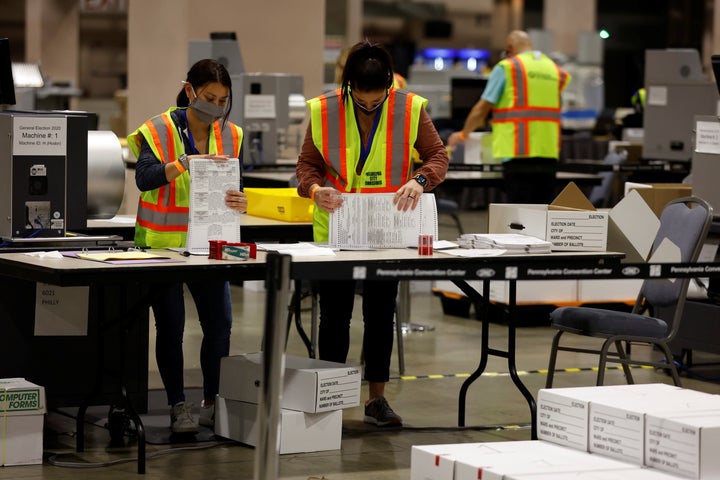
(338, 389)
(657, 96)
(41, 136)
(707, 137)
(61, 311)
(563, 421)
(260, 106)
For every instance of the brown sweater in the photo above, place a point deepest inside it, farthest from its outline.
(432, 153)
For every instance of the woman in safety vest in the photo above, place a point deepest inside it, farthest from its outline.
(360, 140)
(164, 147)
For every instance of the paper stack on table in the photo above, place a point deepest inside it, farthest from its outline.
(511, 242)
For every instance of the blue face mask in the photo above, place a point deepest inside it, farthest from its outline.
(206, 112)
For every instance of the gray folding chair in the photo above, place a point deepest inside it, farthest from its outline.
(685, 222)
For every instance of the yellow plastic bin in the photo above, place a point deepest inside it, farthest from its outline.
(279, 203)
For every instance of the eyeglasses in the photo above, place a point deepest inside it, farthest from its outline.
(370, 109)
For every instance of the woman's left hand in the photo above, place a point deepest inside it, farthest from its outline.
(236, 200)
(408, 196)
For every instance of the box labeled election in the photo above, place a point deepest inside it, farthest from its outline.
(279, 203)
(540, 458)
(309, 385)
(299, 431)
(617, 423)
(22, 405)
(564, 413)
(684, 444)
(570, 222)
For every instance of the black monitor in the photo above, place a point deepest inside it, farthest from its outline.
(464, 94)
(7, 85)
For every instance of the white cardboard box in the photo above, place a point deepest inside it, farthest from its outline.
(438, 462)
(528, 291)
(568, 230)
(534, 457)
(22, 405)
(630, 473)
(310, 385)
(685, 445)
(299, 431)
(608, 290)
(564, 413)
(617, 423)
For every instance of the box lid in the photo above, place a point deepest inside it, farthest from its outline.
(20, 397)
(571, 198)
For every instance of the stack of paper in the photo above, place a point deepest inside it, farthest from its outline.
(511, 242)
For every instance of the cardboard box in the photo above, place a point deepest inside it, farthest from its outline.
(279, 203)
(570, 222)
(629, 473)
(657, 195)
(310, 385)
(632, 228)
(299, 431)
(528, 291)
(438, 462)
(540, 458)
(684, 444)
(564, 413)
(22, 405)
(617, 423)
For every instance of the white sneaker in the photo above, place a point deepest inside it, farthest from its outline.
(181, 419)
(207, 415)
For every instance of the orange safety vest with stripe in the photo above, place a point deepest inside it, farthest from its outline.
(526, 119)
(162, 217)
(336, 135)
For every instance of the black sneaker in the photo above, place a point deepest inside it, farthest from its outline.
(378, 412)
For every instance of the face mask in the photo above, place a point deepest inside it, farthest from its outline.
(368, 111)
(206, 112)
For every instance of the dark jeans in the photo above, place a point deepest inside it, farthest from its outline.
(212, 300)
(378, 305)
(530, 180)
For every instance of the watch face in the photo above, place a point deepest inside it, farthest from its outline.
(421, 179)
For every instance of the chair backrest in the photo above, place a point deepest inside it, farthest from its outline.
(600, 194)
(685, 222)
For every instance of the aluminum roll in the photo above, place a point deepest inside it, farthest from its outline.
(106, 174)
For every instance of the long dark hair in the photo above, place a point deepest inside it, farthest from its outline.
(368, 67)
(204, 72)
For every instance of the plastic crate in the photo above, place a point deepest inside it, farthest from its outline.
(279, 203)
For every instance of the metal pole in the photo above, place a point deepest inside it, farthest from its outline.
(267, 451)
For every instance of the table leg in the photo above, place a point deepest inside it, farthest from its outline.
(482, 306)
(267, 452)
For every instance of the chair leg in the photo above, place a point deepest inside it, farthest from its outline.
(671, 363)
(553, 359)
(624, 356)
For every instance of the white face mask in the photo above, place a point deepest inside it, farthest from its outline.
(206, 112)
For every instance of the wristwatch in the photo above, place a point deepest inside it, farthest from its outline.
(420, 178)
(184, 161)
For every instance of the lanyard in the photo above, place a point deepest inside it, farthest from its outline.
(188, 134)
(365, 151)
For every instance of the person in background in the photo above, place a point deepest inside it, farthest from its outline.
(523, 93)
(374, 114)
(165, 145)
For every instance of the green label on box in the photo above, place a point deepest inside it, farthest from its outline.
(20, 400)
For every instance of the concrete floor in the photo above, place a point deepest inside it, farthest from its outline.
(436, 361)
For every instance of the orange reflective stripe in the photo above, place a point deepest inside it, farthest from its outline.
(156, 138)
(343, 134)
(389, 138)
(218, 138)
(407, 165)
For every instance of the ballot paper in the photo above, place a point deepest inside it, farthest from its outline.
(512, 243)
(370, 220)
(210, 218)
